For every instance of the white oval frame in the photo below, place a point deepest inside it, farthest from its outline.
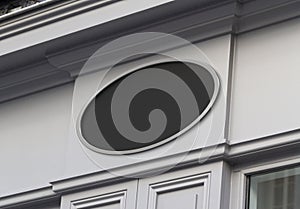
(206, 66)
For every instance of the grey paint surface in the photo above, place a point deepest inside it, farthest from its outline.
(40, 148)
(266, 82)
(33, 139)
(206, 134)
(76, 23)
(49, 149)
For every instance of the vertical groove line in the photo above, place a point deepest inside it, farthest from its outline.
(232, 50)
(196, 201)
(137, 192)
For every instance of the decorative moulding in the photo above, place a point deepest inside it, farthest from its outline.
(65, 56)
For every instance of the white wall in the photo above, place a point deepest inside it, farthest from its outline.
(38, 147)
(266, 82)
(209, 132)
(33, 132)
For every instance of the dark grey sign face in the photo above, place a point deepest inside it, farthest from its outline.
(148, 107)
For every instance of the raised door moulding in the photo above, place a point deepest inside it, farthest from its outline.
(102, 200)
(201, 180)
(122, 195)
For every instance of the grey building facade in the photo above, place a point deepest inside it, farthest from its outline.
(241, 153)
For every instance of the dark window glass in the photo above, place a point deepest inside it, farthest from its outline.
(276, 190)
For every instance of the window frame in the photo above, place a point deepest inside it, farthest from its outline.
(240, 179)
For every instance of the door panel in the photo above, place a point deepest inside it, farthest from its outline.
(120, 196)
(194, 188)
(189, 193)
(199, 187)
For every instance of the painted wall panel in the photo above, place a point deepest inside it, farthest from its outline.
(186, 195)
(194, 188)
(33, 132)
(38, 139)
(266, 82)
(119, 196)
(205, 133)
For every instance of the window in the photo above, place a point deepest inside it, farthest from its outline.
(276, 190)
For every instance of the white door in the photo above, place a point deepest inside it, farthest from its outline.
(119, 196)
(195, 188)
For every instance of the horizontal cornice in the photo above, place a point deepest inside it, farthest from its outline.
(58, 61)
(45, 13)
(258, 151)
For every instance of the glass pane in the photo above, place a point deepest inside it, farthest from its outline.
(276, 190)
